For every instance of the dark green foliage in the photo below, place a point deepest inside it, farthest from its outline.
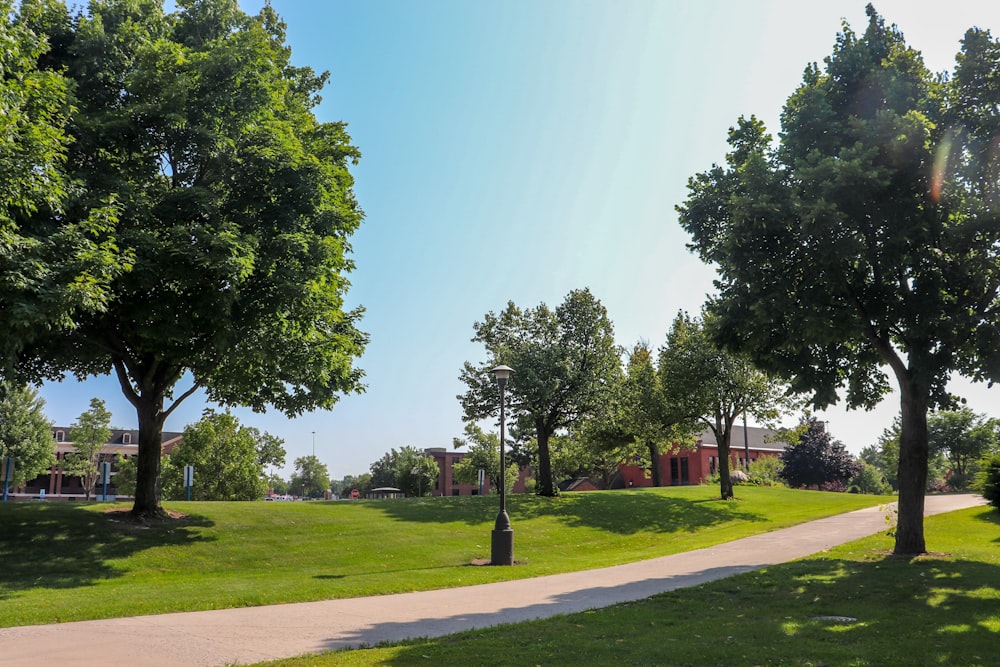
(406, 469)
(310, 479)
(988, 480)
(566, 363)
(229, 460)
(707, 384)
(232, 209)
(817, 459)
(25, 432)
(868, 239)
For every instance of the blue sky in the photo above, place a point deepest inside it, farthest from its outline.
(516, 150)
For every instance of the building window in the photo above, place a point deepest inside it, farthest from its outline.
(126, 438)
(711, 465)
(454, 492)
(60, 436)
(684, 471)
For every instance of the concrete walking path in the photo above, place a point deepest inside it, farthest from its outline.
(254, 634)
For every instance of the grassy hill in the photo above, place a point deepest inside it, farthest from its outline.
(75, 561)
(853, 606)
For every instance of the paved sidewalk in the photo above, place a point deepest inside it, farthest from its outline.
(247, 635)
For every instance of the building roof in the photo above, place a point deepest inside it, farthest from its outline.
(757, 438)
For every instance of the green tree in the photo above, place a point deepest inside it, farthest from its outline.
(707, 383)
(25, 432)
(869, 479)
(89, 434)
(962, 437)
(817, 459)
(124, 479)
(311, 478)
(396, 469)
(235, 203)
(49, 273)
(565, 363)
(229, 460)
(884, 453)
(483, 454)
(868, 238)
(383, 471)
(988, 480)
(278, 484)
(362, 483)
(416, 473)
(650, 418)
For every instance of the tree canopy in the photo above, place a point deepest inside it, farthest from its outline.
(25, 432)
(311, 477)
(228, 209)
(565, 363)
(89, 433)
(817, 459)
(230, 460)
(868, 238)
(704, 382)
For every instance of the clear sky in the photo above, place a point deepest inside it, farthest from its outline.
(519, 149)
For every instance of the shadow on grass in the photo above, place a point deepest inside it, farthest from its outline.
(621, 512)
(992, 517)
(890, 611)
(62, 545)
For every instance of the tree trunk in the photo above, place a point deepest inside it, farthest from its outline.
(545, 486)
(725, 481)
(654, 457)
(147, 469)
(913, 456)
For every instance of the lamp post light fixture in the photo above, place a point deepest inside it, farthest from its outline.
(502, 551)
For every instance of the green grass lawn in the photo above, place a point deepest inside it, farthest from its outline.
(74, 561)
(853, 606)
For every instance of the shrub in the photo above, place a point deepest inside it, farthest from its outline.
(766, 471)
(869, 480)
(988, 480)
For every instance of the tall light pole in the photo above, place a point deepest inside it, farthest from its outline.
(502, 552)
(314, 444)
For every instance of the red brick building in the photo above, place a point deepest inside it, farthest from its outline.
(58, 486)
(446, 485)
(694, 466)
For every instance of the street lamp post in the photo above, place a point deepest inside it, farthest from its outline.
(502, 552)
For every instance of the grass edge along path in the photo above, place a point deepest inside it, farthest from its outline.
(67, 562)
(854, 605)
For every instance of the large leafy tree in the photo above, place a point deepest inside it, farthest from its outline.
(565, 361)
(407, 469)
(649, 415)
(709, 384)
(53, 264)
(868, 238)
(89, 433)
(234, 202)
(962, 437)
(483, 454)
(311, 477)
(229, 459)
(25, 432)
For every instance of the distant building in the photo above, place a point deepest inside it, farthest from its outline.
(694, 466)
(60, 486)
(446, 485)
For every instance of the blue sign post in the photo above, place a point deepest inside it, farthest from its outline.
(106, 476)
(7, 473)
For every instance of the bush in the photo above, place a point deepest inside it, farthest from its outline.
(766, 471)
(988, 480)
(869, 480)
